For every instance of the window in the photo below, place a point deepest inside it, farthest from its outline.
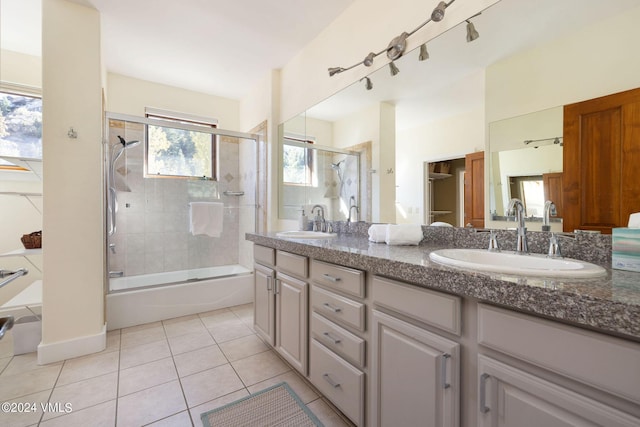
(20, 127)
(298, 162)
(173, 152)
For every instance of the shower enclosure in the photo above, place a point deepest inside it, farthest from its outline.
(150, 191)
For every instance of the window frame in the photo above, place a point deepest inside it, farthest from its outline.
(179, 118)
(27, 92)
(310, 161)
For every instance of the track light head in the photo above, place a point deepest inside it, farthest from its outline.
(367, 83)
(438, 12)
(472, 34)
(392, 67)
(368, 60)
(335, 70)
(424, 55)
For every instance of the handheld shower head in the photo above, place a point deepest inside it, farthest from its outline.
(336, 166)
(127, 144)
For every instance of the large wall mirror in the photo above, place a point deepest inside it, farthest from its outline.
(492, 94)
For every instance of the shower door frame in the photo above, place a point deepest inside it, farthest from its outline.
(164, 123)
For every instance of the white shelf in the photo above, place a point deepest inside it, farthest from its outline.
(31, 296)
(437, 175)
(441, 212)
(33, 165)
(22, 252)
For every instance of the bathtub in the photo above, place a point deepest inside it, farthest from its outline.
(139, 299)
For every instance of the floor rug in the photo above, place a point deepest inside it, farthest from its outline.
(273, 406)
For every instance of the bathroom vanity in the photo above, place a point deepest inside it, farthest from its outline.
(392, 338)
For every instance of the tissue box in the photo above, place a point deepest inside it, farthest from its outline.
(625, 244)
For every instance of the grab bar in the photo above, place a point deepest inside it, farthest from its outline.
(10, 276)
(233, 193)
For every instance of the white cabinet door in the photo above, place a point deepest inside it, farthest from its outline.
(291, 320)
(414, 376)
(264, 303)
(509, 397)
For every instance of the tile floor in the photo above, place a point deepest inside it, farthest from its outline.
(158, 374)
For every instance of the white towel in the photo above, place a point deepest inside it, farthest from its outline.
(378, 233)
(206, 218)
(404, 234)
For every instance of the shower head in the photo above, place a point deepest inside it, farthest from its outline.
(336, 166)
(127, 144)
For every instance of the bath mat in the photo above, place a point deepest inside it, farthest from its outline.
(273, 406)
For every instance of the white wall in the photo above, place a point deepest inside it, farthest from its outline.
(130, 96)
(19, 68)
(73, 230)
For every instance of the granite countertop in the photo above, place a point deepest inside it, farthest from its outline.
(609, 304)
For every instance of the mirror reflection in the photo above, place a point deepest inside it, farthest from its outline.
(455, 103)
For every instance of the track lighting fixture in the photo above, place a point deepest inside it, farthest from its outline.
(397, 46)
(472, 34)
(367, 83)
(424, 55)
(392, 67)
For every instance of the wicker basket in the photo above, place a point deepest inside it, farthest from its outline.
(33, 240)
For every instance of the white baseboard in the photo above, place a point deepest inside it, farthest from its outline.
(76, 347)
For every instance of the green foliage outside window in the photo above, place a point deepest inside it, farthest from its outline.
(177, 152)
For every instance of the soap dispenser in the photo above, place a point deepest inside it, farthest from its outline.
(302, 221)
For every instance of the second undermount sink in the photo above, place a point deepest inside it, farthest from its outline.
(515, 263)
(305, 234)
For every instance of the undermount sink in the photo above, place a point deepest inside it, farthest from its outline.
(305, 234)
(516, 263)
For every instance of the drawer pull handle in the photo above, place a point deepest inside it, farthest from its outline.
(443, 371)
(483, 393)
(335, 340)
(328, 379)
(269, 278)
(275, 287)
(331, 278)
(332, 308)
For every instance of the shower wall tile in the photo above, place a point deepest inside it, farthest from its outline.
(153, 222)
(175, 260)
(153, 262)
(135, 243)
(176, 222)
(134, 263)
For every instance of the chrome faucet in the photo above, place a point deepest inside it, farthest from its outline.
(319, 219)
(517, 208)
(352, 204)
(549, 210)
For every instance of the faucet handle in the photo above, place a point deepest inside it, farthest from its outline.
(554, 247)
(493, 242)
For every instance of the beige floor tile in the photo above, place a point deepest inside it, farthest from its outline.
(178, 420)
(101, 415)
(297, 384)
(259, 367)
(189, 342)
(326, 414)
(139, 355)
(183, 325)
(199, 360)
(25, 417)
(113, 341)
(230, 330)
(149, 405)
(86, 393)
(145, 376)
(4, 362)
(244, 312)
(210, 384)
(26, 362)
(13, 386)
(216, 403)
(213, 318)
(6, 345)
(243, 347)
(90, 366)
(152, 332)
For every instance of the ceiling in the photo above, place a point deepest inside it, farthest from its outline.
(218, 47)
(224, 48)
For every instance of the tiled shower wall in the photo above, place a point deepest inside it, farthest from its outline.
(152, 226)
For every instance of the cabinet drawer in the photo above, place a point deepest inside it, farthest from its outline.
(338, 339)
(339, 381)
(297, 265)
(264, 255)
(343, 279)
(337, 307)
(604, 362)
(431, 307)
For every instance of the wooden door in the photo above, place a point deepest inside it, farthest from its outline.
(552, 183)
(291, 320)
(264, 303)
(474, 190)
(601, 157)
(414, 376)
